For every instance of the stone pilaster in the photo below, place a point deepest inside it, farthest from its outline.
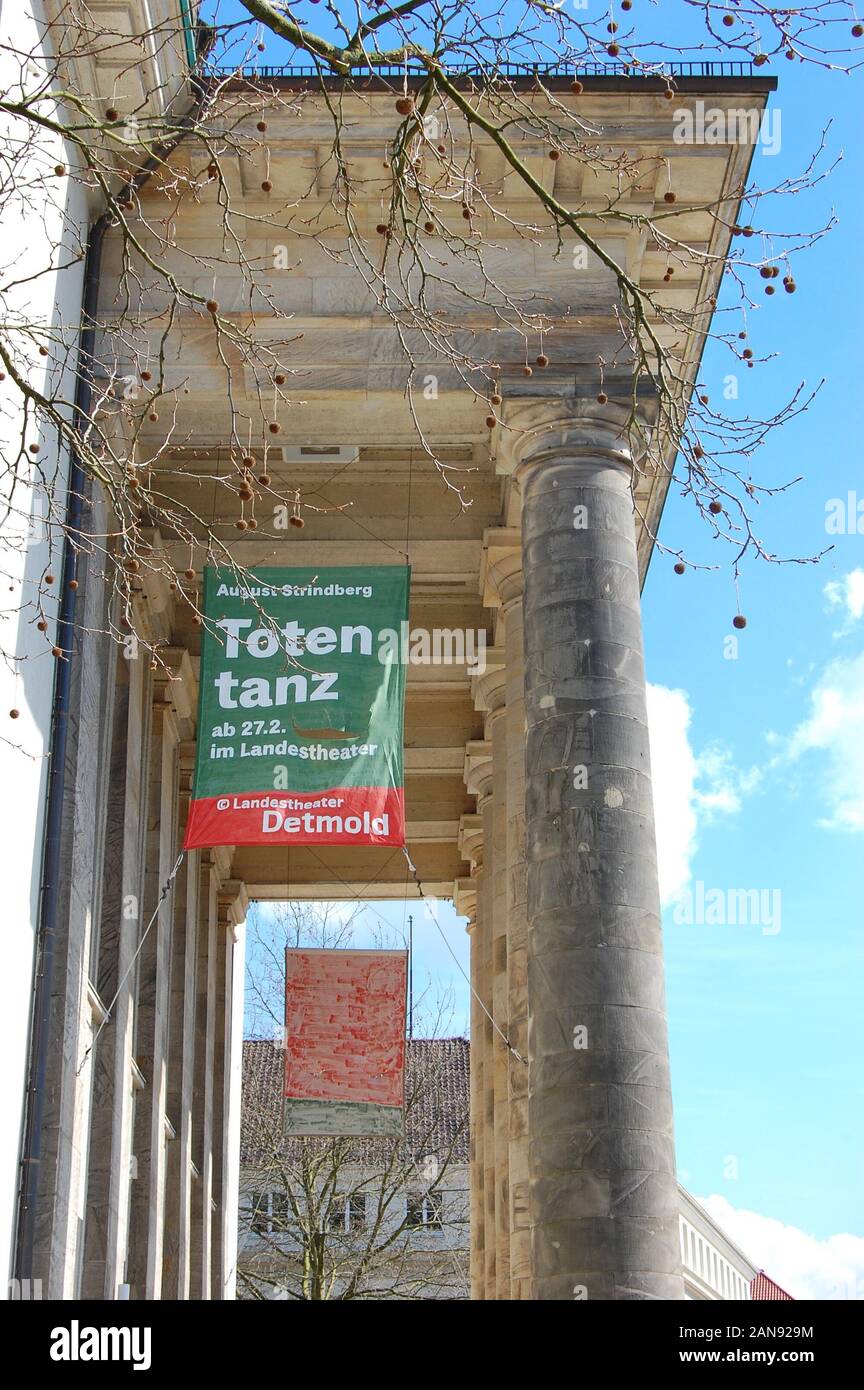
(489, 690)
(603, 1191)
(501, 582)
(478, 779)
(465, 902)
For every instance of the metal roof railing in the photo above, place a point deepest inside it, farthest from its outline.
(397, 71)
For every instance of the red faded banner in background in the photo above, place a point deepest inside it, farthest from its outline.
(344, 1041)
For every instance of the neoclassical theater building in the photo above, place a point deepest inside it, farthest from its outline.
(528, 784)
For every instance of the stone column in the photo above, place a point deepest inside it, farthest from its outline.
(465, 900)
(489, 689)
(602, 1166)
(502, 586)
(478, 778)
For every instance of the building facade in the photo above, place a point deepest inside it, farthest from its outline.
(528, 785)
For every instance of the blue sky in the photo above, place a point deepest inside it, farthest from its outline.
(764, 787)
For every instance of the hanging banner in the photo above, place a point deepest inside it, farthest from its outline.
(302, 693)
(345, 1041)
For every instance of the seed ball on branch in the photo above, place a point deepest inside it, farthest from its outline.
(698, 451)
(49, 578)
(612, 27)
(196, 619)
(495, 399)
(43, 351)
(626, 4)
(405, 105)
(669, 94)
(728, 20)
(704, 399)
(790, 286)
(212, 306)
(747, 354)
(59, 170)
(602, 398)
(73, 584)
(279, 378)
(765, 272)
(429, 226)
(381, 228)
(261, 125)
(542, 360)
(264, 479)
(212, 170)
(34, 448)
(577, 88)
(42, 625)
(554, 154)
(769, 289)
(146, 376)
(297, 521)
(274, 427)
(669, 197)
(613, 50)
(680, 568)
(189, 574)
(133, 482)
(857, 31)
(715, 507)
(266, 186)
(527, 371)
(739, 620)
(246, 493)
(112, 114)
(491, 422)
(240, 525)
(252, 524)
(748, 231)
(131, 566)
(760, 59)
(57, 651)
(153, 415)
(790, 55)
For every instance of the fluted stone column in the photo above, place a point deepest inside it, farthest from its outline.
(489, 691)
(478, 778)
(502, 586)
(465, 902)
(603, 1191)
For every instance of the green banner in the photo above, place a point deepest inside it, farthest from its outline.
(302, 693)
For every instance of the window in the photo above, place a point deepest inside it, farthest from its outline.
(259, 1222)
(424, 1210)
(336, 1215)
(434, 1205)
(280, 1206)
(357, 1211)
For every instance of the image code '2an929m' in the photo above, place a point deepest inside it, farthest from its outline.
(301, 708)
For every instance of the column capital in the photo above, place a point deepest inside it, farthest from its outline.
(470, 842)
(489, 688)
(534, 430)
(465, 901)
(478, 767)
(501, 567)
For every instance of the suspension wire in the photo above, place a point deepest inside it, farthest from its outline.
(166, 889)
(500, 1031)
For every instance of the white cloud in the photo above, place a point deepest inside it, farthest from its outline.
(690, 789)
(847, 593)
(798, 1262)
(835, 727)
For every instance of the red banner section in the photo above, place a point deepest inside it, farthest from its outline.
(344, 1041)
(342, 816)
